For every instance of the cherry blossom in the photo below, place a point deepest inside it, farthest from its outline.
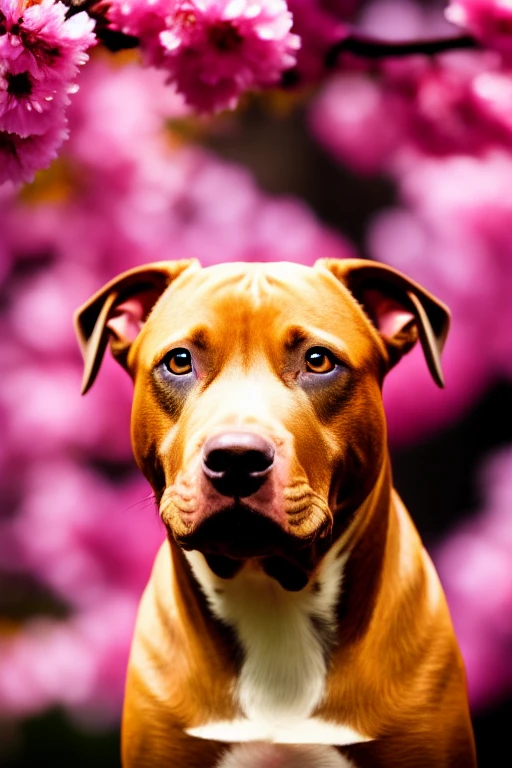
(40, 53)
(22, 157)
(489, 20)
(213, 50)
(474, 565)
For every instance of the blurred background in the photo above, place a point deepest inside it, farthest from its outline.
(408, 162)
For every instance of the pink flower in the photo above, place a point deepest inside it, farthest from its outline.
(119, 109)
(38, 38)
(40, 52)
(83, 534)
(350, 117)
(459, 103)
(453, 237)
(490, 21)
(78, 663)
(218, 49)
(27, 106)
(213, 50)
(20, 158)
(474, 565)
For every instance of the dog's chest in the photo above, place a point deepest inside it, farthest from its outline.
(279, 756)
(285, 638)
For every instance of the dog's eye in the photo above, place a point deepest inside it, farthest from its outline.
(319, 360)
(178, 361)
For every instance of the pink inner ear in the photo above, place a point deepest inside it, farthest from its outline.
(128, 319)
(389, 315)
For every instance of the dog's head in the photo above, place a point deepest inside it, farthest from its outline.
(257, 414)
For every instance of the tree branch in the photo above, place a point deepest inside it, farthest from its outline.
(370, 48)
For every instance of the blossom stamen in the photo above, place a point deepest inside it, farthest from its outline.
(225, 37)
(7, 144)
(19, 85)
(185, 19)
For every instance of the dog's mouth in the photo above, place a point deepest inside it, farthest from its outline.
(237, 533)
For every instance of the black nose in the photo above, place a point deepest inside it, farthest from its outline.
(237, 463)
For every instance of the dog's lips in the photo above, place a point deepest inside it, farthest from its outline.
(238, 532)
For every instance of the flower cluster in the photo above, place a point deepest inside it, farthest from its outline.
(474, 565)
(441, 130)
(40, 53)
(459, 103)
(490, 21)
(213, 50)
(128, 188)
(450, 232)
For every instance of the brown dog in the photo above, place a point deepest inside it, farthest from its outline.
(293, 617)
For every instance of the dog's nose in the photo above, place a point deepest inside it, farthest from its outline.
(237, 463)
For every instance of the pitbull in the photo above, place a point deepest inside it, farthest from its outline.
(292, 617)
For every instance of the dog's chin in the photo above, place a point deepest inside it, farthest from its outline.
(231, 536)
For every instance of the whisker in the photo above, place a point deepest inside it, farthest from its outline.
(145, 501)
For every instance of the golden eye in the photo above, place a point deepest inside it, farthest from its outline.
(319, 360)
(178, 361)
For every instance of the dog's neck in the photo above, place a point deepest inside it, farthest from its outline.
(285, 638)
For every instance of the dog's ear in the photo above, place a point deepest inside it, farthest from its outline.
(399, 308)
(117, 312)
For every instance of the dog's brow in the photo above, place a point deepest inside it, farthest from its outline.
(199, 337)
(294, 337)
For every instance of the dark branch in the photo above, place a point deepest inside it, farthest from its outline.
(370, 48)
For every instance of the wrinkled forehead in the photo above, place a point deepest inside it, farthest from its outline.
(260, 299)
(255, 284)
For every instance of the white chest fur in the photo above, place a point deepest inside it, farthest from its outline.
(283, 636)
(264, 755)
